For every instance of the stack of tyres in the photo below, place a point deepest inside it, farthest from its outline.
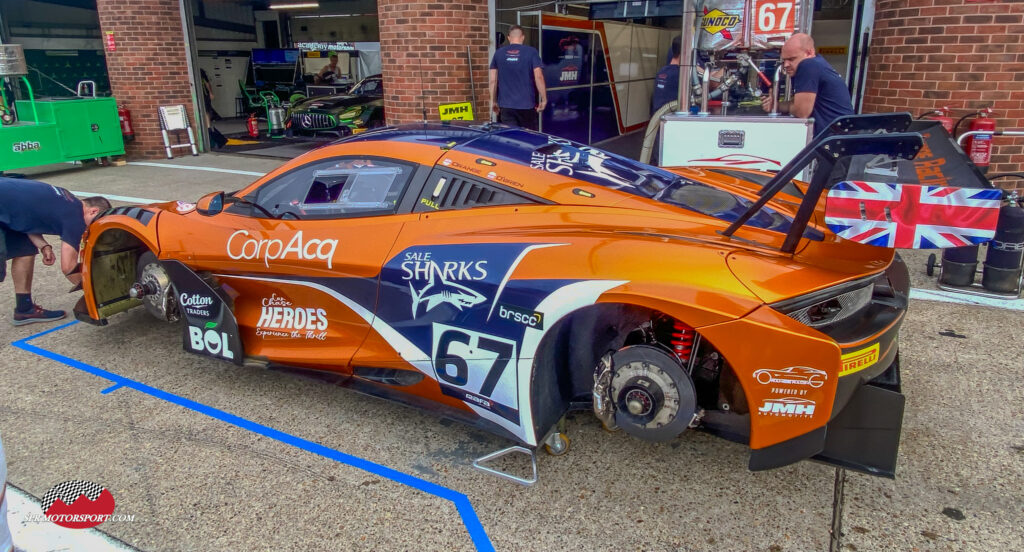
(1002, 270)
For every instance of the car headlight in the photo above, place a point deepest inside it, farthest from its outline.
(830, 305)
(351, 113)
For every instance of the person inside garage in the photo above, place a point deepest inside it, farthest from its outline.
(328, 72)
(666, 83)
(819, 91)
(515, 70)
(29, 209)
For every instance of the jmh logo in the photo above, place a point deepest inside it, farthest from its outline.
(787, 407)
(454, 110)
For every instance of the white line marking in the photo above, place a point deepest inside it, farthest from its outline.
(44, 535)
(126, 199)
(194, 168)
(965, 299)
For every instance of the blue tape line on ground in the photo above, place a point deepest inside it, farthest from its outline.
(462, 504)
(111, 389)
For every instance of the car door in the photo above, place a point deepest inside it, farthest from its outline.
(300, 256)
(439, 296)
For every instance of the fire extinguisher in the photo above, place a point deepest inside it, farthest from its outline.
(253, 125)
(979, 147)
(124, 115)
(942, 116)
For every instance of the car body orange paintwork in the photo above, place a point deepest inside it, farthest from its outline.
(647, 253)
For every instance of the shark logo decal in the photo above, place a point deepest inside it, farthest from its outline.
(439, 291)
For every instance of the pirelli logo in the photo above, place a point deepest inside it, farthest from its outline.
(859, 360)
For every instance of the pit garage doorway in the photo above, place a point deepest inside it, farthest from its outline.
(601, 58)
(62, 45)
(599, 72)
(267, 58)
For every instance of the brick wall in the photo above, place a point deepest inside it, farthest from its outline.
(964, 54)
(148, 68)
(423, 57)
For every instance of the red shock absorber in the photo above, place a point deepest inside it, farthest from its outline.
(682, 341)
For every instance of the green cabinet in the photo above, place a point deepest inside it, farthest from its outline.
(69, 129)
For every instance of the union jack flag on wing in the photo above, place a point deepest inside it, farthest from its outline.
(912, 216)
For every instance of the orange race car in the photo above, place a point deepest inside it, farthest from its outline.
(504, 277)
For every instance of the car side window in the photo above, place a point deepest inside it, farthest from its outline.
(336, 188)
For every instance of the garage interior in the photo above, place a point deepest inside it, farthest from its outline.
(244, 48)
(262, 56)
(601, 59)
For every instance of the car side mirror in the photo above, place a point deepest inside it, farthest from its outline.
(210, 204)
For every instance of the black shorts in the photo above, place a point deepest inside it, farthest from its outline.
(16, 244)
(523, 118)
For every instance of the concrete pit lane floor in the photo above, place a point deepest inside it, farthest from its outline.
(210, 456)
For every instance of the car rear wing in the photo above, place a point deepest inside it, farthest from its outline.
(848, 136)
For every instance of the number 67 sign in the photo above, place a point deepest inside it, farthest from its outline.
(772, 17)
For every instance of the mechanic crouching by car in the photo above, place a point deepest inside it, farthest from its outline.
(29, 209)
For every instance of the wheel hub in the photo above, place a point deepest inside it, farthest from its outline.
(639, 402)
(159, 298)
(651, 395)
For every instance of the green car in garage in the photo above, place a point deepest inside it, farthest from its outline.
(361, 108)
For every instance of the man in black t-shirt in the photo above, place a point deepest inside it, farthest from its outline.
(515, 71)
(29, 209)
(819, 91)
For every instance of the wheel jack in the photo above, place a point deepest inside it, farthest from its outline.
(555, 443)
(478, 464)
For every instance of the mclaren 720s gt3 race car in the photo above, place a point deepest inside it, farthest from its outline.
(503, 277)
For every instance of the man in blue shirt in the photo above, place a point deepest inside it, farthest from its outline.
(515, 71)
(29, 209)
(819, 91)
(666, 83)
